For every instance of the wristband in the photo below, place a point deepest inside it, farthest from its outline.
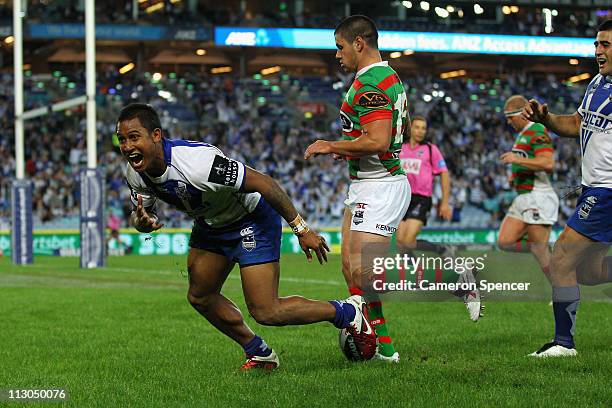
(299, 226)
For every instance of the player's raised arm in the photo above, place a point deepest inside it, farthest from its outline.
(543, 161)
(563, 125)
(280, 201)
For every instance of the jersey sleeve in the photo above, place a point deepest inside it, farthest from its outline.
(541, 142)
(138, 187)
(439, 165)
(208, 169)
(372, 104)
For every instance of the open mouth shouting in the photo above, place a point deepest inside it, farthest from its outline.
(136, 160)
(602, 62)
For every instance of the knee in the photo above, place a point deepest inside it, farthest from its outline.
(406, 241)
(198, 299)
(265, 315)
(505, 244)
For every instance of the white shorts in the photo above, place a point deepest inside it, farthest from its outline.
(536, 207)
(378, 206)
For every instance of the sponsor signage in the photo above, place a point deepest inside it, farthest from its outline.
(323, 39)
(176, 241)
(117, 32)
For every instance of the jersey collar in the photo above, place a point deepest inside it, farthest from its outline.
(527, 126)
(376, 64)
(167, 148)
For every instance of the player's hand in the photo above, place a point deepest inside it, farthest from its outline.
(318, 147)
(338, 157)
(144, 222)
(446, 212)
(509, 158)
(313, 241)
(534, 111)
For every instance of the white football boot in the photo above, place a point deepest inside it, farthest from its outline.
(553, 349)
(395, 358)
(267, 363)
(471, 298)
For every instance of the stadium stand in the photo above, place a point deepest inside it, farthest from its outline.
(526, 19)
(261, 121)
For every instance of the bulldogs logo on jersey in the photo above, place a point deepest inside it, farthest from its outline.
(248, 239)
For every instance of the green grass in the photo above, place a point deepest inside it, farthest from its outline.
(126, 336)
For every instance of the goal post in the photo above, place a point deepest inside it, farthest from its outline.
(93, 243)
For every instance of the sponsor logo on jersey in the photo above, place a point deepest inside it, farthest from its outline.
(224, 171)
(361, 206)
(596, 122)
(543, 139)
(373, 100)
(411, 166)
(386, 228)
(347, 124)
(246, 231)
(358, 217)
(586, 207)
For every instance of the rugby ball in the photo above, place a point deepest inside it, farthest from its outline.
(349, 347)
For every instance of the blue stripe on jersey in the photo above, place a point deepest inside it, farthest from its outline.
(179, 194)
(595, 116)
(168, 144)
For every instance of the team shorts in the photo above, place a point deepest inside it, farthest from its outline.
(419, 208)
(254, 239)
(536, 207)
(378, 206)
(593, 215)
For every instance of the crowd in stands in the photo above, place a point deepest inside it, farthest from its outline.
(257, 121)
(567, 21)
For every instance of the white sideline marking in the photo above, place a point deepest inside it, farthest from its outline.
(178, 272)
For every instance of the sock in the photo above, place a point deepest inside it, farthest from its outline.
(565, 306)
(607, 261)
(377, 320)
(437, 275)
(522, 245)
(429, 246)
(257, 347)
(355, 291)
(345, 313)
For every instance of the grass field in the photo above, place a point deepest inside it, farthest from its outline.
(126, 336)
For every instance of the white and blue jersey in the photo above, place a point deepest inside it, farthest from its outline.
(596, 133)
(593, 215)
(206, 185)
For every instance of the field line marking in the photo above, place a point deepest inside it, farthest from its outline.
(231, 276)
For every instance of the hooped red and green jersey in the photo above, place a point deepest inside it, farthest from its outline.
(376, 94)
(531, 141)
